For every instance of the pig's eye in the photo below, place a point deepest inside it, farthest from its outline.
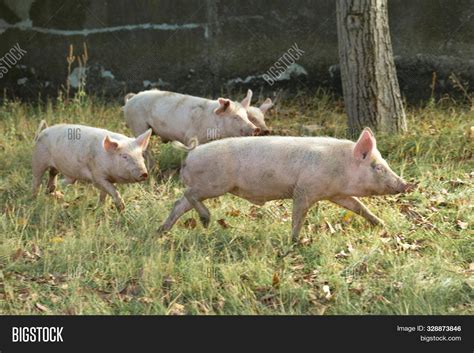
(379, 168)
(124, 156)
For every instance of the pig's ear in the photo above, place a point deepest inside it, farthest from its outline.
(110, 145)
(266, 105)
(246, 102)
(224, 105)
(364, 145)
(143, 139)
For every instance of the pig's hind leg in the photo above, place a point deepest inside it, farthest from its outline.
(195, 199)
(353, 204)
(180, 207)
(39, 167)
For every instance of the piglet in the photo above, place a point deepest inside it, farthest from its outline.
(89, 154)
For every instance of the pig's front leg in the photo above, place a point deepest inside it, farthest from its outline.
(301, 205)
(353, 204)
(106, 187)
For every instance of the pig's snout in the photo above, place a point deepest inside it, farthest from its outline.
(410, 187)
(256, 132)
(141, 175)
(403, 186)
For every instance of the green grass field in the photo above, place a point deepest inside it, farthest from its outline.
(71, 255)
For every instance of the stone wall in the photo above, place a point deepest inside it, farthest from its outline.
(209, 47)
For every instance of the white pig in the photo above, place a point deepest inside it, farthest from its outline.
(89, 154)
(305, 169)
(257, 114)
(179, 117)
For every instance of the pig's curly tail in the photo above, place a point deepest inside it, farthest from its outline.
(128, 97)
(42, 125)
(193, 143)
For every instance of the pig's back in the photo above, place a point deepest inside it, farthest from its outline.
(267, 165)
(156, 102)
(270, 149)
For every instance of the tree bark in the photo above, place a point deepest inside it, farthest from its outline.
(369, 80)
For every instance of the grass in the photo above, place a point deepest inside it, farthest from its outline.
(73, 256)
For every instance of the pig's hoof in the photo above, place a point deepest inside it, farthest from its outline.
(378, 223)
(120, 207)
(162, 230)
(205, 221)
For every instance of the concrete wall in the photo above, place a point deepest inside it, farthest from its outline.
(210, 46)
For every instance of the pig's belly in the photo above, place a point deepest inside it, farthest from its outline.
(259, 194)
(81, 173)
(257, 199)
(264, 182)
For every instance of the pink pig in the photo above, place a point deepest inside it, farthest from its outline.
(304, 169)
(89, 154)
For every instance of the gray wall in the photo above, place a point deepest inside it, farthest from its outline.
(205, 46)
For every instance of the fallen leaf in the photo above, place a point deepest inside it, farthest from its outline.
(327, 292)
(57, 240)
(253, 212)
(330, 227)
(22, 221)
(145, 300)
(350, 248)
(398, 285)
(132, 288)
(176, 309)
(462, 225)
(457, 182)
(190, 223)
(306, 241)
(42, 307)
(18, 254)
(276, 280)
(341, 255)
(222, 223)
(36, 250)
(406, 246)
(54, 298)
(57, 195)
(70, 311)
(348, 217)
(356, 290)
(383, 299)
(233, 213)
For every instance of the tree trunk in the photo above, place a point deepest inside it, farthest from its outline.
(369, 80)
